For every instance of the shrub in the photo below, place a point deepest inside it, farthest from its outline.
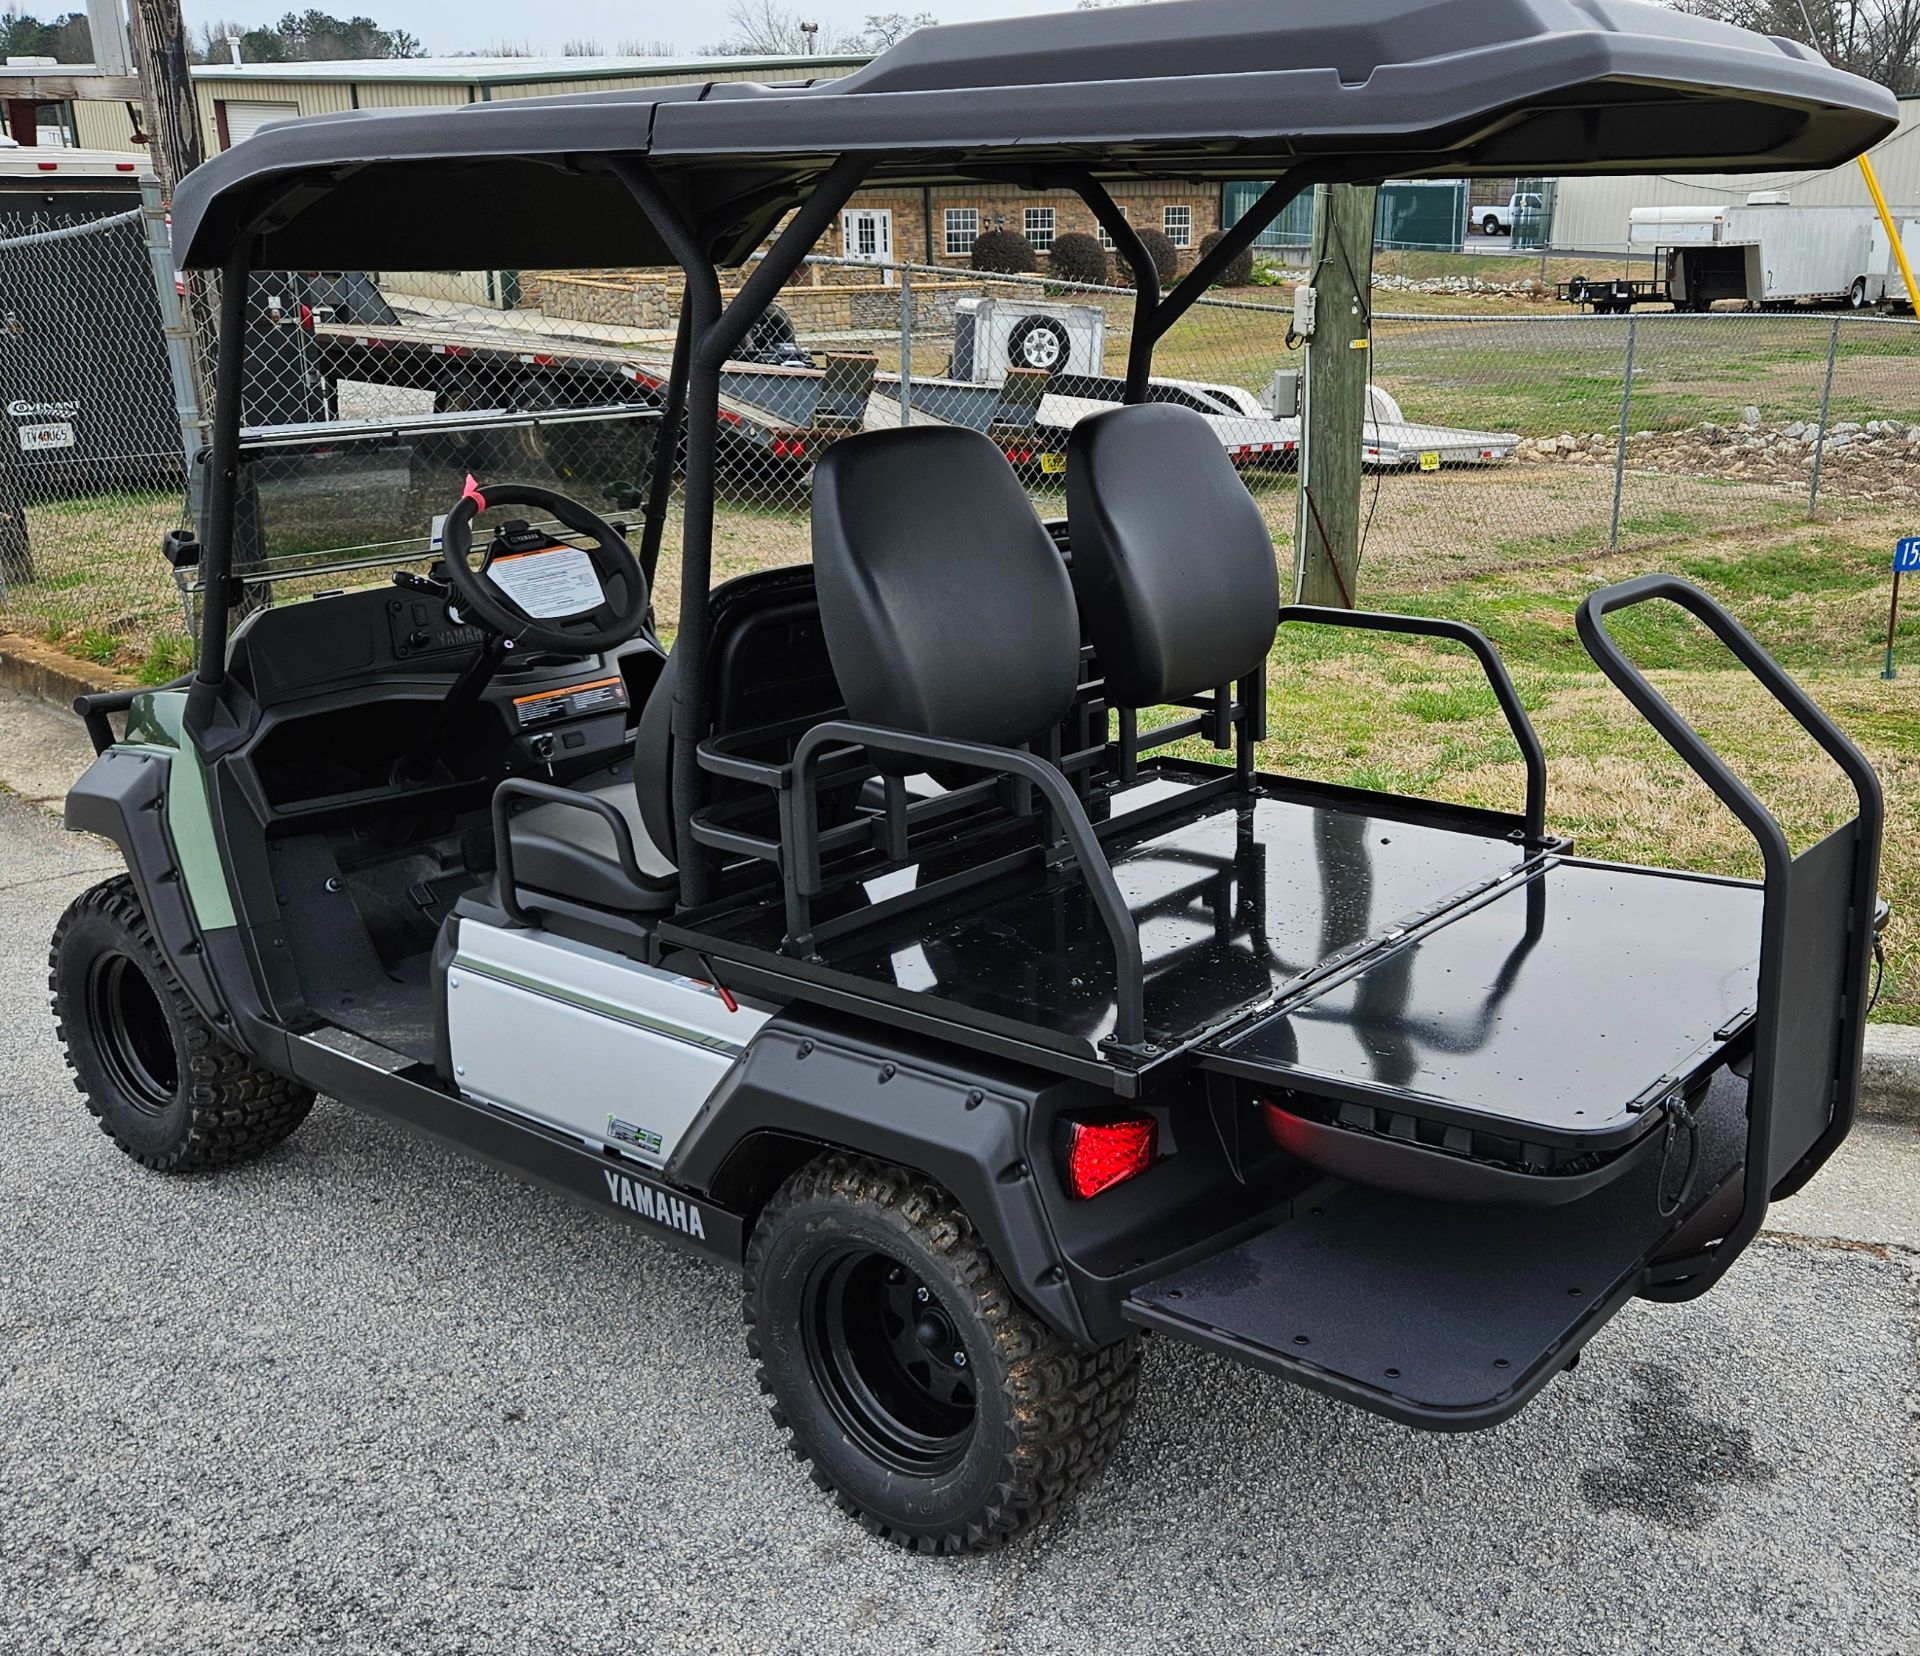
(1005, 253)
(1165, 256)
(1079, 258)
(1239, 271)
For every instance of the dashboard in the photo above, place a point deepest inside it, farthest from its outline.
(347, 684)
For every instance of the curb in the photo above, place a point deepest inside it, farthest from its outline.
(1890, 1074)
(37, 669)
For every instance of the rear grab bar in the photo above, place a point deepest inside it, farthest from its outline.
(1810, 1017)
(1457, 632)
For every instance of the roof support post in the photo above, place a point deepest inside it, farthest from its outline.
(1154, 315)
(666, 443)
(1146, 276)
(1234, 241)
(713, 334)
(216, 549)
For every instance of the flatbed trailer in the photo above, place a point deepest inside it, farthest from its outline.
(781, 417)
(1613, 295)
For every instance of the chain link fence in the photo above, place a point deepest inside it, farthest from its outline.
(1535, 432)
(91, 467)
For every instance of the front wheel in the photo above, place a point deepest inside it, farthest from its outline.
(932, 1405)
(165, 1086)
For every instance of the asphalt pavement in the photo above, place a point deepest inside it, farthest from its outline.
(364, 1395)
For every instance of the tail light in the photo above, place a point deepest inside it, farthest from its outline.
(1101, 1154)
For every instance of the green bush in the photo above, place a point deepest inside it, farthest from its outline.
(1005, 253)
(1239, 271)
(1165, 256)
(1077, 257)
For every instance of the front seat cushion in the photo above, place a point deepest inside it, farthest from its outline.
(570, 852)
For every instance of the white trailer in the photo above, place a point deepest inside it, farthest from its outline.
(1770, 252)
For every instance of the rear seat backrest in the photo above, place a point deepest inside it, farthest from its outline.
(1172, 561)
(946, 606)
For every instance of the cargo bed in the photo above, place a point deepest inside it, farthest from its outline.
(1304, 940)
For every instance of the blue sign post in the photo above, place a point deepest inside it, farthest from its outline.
(1906, 556)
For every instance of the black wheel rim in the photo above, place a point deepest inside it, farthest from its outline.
(889, 1361)
(131, 1031)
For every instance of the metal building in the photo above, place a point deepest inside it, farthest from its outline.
(1593, 212)
(237, 99)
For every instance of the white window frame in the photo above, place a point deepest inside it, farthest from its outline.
(1183, 235)
(1100, 230)
(968, 218)
(1038, 223)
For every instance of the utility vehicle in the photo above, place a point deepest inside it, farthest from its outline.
(870, 938)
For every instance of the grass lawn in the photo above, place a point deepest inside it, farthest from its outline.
(1416, 718)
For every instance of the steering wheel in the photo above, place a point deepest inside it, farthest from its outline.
(606, 624)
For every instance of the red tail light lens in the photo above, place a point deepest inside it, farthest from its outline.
(1102, 1154)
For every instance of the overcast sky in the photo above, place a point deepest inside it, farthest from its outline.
(449, 26)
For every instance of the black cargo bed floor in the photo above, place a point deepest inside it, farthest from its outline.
(1439, 1315)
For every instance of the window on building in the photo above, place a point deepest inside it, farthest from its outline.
(963, 225)
(1100, 230)
(1178, 223)
(1039, 228)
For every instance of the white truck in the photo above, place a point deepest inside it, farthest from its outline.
(1770, 253)
(1496, 218)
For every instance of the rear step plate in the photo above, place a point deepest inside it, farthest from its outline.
(1439, 1315)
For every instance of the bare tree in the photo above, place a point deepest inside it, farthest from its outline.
(766, 28)
(1879, 39)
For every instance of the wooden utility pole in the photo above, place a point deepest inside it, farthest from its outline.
(1340, 269)
(169, 114)
(171, 119)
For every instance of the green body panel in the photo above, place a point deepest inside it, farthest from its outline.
(155, 724)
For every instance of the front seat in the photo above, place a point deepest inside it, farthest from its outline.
(768, 661)
(570, 852)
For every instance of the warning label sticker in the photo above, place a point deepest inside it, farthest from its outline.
(557, 582)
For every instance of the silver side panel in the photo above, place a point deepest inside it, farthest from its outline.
(595, 1044)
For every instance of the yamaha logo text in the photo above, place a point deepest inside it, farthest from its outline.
(657, 1205)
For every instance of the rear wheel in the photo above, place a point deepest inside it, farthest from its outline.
(929, 1402)
(1857, 294)
(165, 1087)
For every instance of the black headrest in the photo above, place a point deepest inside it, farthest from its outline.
(946, 605)
(1171, 558)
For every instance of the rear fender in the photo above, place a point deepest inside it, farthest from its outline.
(960, 1119)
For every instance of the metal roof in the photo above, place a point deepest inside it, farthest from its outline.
(498, 71)
(1191, 89)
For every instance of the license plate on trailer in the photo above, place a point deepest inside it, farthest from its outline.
(1430, 461)
(56, 434)
(1053, 463)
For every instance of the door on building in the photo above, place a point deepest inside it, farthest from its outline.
(866, 234)
(241, 118)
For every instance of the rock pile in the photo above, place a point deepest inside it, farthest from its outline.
(1526, 287)
(1875, 460)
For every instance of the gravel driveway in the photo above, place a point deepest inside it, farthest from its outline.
(366, 1396)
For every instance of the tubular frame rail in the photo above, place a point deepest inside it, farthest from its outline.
(1797, 930)
(1459, 632)
(1066, 814)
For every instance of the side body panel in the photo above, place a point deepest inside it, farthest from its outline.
(619, 1053)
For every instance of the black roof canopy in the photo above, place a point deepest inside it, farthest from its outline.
(1191, 89)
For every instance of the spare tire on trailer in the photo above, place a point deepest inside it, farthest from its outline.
(1040, 342)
